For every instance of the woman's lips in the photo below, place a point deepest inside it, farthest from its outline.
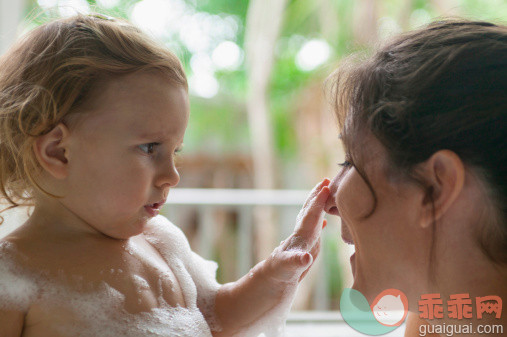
(347, 240)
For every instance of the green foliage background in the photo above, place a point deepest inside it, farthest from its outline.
(221, 122)
(219, 125)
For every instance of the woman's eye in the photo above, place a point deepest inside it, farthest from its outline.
(345, 164)
(148, 148)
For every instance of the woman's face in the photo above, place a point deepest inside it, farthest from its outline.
(391, 249)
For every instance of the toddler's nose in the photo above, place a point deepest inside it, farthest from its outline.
(330, 206)
(168, 177)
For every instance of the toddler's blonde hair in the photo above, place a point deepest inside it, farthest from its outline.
(49, 72)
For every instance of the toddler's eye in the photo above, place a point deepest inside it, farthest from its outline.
(148, 148)
(177, 156)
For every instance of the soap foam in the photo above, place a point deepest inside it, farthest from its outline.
(16, 293)
(272, 323)
(170, 241)
(140, 283)
(100, 312)
(203, 272)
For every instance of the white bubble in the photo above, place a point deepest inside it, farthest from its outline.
(15, 291)
(140, 282)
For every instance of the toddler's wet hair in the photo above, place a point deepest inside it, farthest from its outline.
(50, 71)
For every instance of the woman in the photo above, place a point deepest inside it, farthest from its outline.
(422, 194)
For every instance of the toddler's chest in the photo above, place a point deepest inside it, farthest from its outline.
(115, 296)
(148, 286)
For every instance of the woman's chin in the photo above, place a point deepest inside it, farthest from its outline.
(363, 288)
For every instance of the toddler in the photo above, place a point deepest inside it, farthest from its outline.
(92, 114)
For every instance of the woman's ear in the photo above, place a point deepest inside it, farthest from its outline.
(51, 151)
(444, 175)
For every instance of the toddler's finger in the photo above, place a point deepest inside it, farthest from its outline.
(314, 252)
(316, 190)
(311, 216)
(308, 229)
(316, 249)
(289, 265)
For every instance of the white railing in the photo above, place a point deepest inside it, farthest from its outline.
(325, 324)
(242, 201)
(206, 202)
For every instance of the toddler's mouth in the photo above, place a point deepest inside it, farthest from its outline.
(154, 209)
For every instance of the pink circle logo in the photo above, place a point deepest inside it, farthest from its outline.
(390, 307)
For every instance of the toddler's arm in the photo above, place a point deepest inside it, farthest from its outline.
(11, 323)
(273, 281)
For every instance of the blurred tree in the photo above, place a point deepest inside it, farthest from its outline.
(263, 25)
(365, 21)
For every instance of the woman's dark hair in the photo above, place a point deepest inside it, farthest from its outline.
(440, 87)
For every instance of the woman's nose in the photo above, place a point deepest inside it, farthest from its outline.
(330, 206)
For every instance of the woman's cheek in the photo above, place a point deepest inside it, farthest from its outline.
(353, 198)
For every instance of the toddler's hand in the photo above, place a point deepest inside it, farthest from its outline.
(293, 258)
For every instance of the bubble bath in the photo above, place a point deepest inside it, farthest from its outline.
(100, 310)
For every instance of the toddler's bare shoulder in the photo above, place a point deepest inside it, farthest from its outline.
(160, 231)
(18, 286)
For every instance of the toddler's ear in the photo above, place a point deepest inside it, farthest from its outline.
(51, 151)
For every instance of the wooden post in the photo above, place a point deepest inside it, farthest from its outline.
(264, 21)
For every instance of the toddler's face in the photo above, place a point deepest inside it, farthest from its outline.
(121, 154)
